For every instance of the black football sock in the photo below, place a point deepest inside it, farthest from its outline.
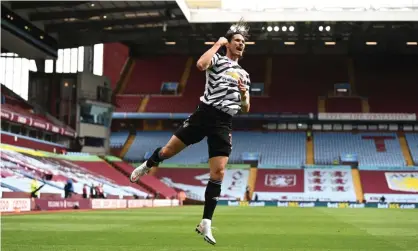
(212, 193)
(155, 158)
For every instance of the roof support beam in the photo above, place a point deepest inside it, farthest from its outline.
(101, 24)
(85, 14)
(68, 39)
(21, 5)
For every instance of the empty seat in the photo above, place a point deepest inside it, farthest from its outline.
(118, 139)
(328, 148)
(412, 139)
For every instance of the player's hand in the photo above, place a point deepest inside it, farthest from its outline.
(222, 41)
(242, 88)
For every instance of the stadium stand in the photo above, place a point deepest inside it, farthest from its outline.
(24, 141)
(393, 79)
(286, 149)
(147, 77)
(412, 139)
(193, 181)
(150, 182)
(295, 92)
(373, 149)
(188, 100)
(175, 104)
(128, 103)
(20, 166)
(145, 142)
(320, 74)
(395, 186)
(118, 139)
(97, 166)
(116, 56)
(27, 115)
(343, 105)
(305, 184)
(285, 75)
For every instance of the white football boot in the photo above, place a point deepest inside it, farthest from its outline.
(139, 172)
(205, 229)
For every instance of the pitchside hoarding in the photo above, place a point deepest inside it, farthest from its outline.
(61, 204)
(304, 204)
(15, 205)
(25, 205)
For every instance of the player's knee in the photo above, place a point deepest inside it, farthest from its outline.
(220, 172)
(217, 172)
(167, 152)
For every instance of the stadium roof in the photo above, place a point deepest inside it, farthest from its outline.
(161, 27)
(204, 11)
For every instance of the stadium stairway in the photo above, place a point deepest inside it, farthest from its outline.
(321, 104)
(125, 76)
(186, 74)
(405, 149)
(310, 151)
(357, 184)
(365, 107)
(127, 145)
(252, 178)
(143, 106)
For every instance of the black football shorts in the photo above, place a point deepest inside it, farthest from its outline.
(209, 122)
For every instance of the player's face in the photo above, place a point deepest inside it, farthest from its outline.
(237, 45)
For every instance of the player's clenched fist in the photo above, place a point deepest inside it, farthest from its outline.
(242, 88)
(222, 41)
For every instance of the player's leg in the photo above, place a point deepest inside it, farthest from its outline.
(186, 135)
(173, 147)
(220, 147)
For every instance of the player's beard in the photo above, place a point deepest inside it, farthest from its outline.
(237, 53)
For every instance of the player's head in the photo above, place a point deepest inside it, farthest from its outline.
(236, 37)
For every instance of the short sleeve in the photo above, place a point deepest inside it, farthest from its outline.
(215, 58)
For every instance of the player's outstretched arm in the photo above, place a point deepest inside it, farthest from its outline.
(205, 60)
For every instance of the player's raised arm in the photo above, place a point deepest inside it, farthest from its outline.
(205, 60)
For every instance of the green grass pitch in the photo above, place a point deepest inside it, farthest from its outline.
(237, 228)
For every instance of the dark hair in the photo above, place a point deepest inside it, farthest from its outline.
(229, 35)
(240, 28)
